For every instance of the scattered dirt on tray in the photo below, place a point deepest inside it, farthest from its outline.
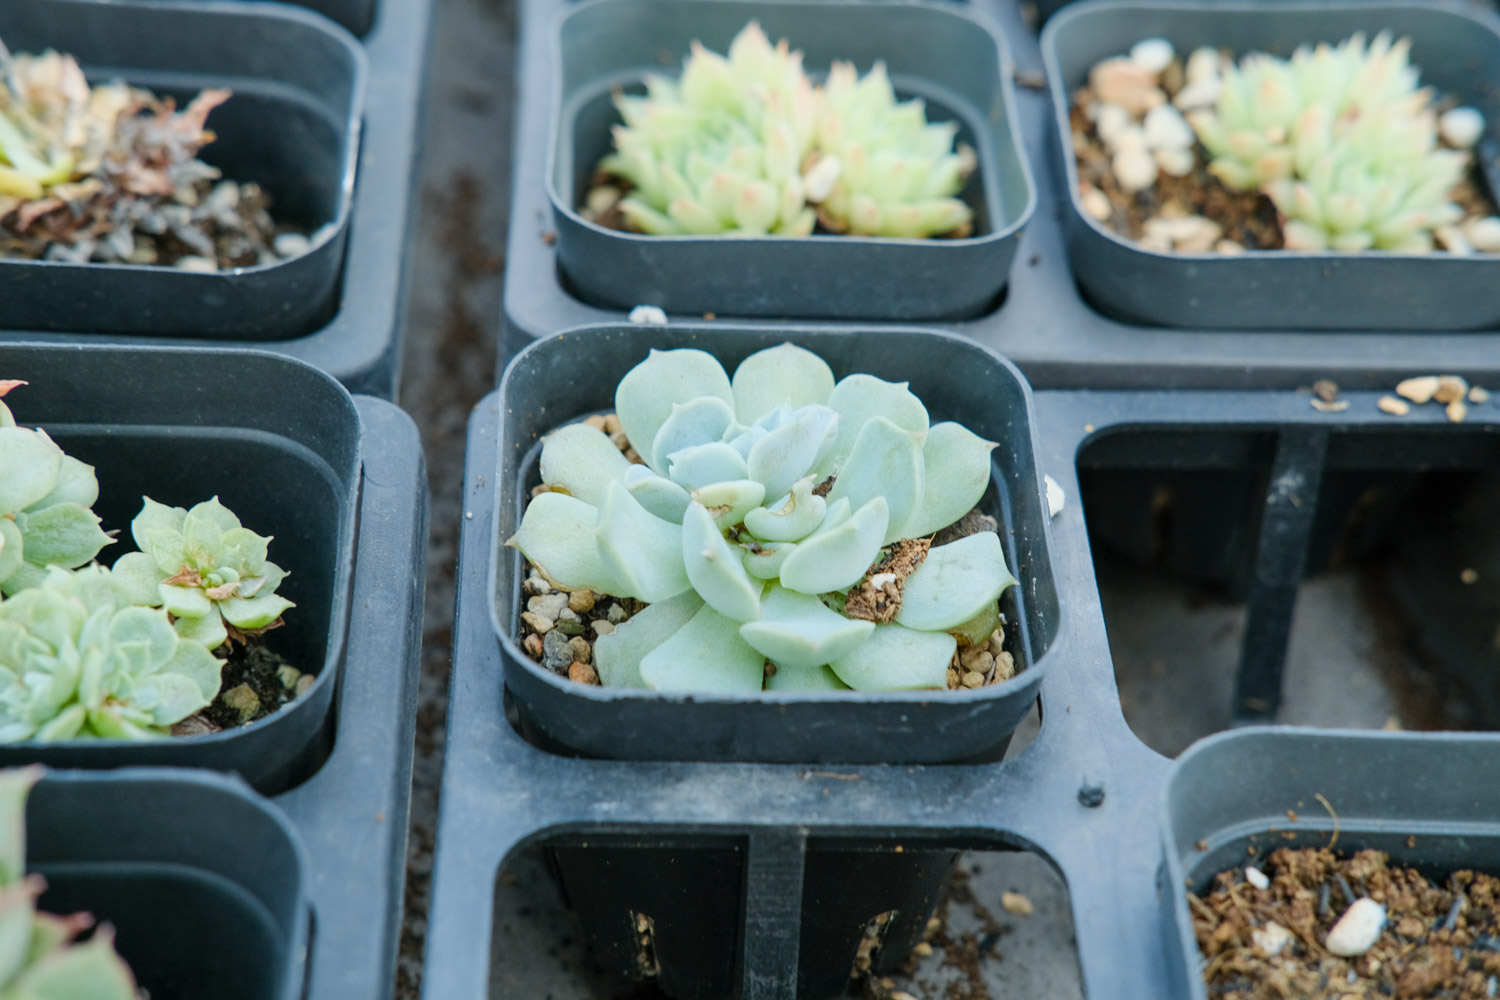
(1439, 940)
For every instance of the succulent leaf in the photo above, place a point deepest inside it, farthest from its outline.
(835, 559)
(897, 658)
(705, 656)
(646, 395)
(955, 583)
(618, 655)
(956, 472)
(581, 459)
(797, 630)
(639, 549)
(886, 462)
(715, 568)
(790, 678)
(557, 537)
(783, 375)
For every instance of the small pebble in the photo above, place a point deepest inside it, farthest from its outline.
(1461, 127)
(288, 676)
(616, 614)
(602, 198)
(1453, 240)
(1111, 122)
(1478, 395)
(1325, 406)
(1056, 498)
(1451, 388)
(547, 605)
(596, 422)
(243, 700)
(934, 924)
(1199, 94)
(1395, 407)
(1016, 903)
(1135, 169)
(197, 265)
(581, 601)
(557, 652)
(601, 627)
(1257, 878)
(1203, 64)
(922, 949)
(303, 683)
(533, 646)
(291, 245)
(582, 673)
(1005, 667)
(1120, 81)
(1229, 247)
(1458, 411)
(1271, 939)
(536, 585)
(1419, 390)
(582, 651)
(1152, 54)
(612, 423)
(972, 679)
(1358, 929)
(1175, 162)
(976, 659)
(1096, 203)
(648, 316)
(539, 625)
(1484, 234)
(1165, 128)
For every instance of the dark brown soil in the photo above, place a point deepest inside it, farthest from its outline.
(1439, 940)
(252, 665)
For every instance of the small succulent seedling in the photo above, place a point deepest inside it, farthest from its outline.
(748, 145)
(779, 517)
(210, 572)
(45, 498)
(41, 957)
(1342, 141)
(80, 660)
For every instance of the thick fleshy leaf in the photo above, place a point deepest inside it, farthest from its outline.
(92, 969)
(896, 658)
(139, 575)
(254, 612)
(642, 551)
(660, 496)
(729, 502)
(557, 537)
(15, 784)
(819, 678)
(31, 463)
(706, 464)
(795, 516)
(618, 655)
(954, 583)
(765, 561)
(64, 534)
(886, 462)
(76, 483)
(788, 451)
(208, 631)
(11, 547)
(700, 421)
(785, 374)
(581, 459)
(705, 656)
(715, 567)
(646, 395)
(185, 602)
(17, 917)
(956, 472)
(837, 558)
(797, 630)
(152, 518)
(858, 398)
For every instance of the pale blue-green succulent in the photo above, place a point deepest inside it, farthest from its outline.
(40, 956)
(79, 660)
(762, 502)
(1342, 141)
(45, 498)
(210, 572)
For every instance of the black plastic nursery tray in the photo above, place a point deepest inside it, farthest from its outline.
(1045, 325)
(1086, 795)
(349, 801)
(568, 377)
(956, 62)
(352, 328)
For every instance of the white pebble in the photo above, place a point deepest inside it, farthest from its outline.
(1229, 247)
(1484, 234)
(1132, 137)
(1056, 498)
(1202, 65)
(1152, 54)
(1453, 240)
(1461, 127)
(1134, 169)
(291, 245)
(648, 316)
(1177, 162)
(1111, 123)
(1271, 940)
(1165, 128)
(1199, 94)
(197, 265)
(1358, 929)
(1257, 878)
(1096, 203)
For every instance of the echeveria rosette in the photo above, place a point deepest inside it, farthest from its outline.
(1342, 141)
(742, 549)
(892, 173)
(40, 956)
(80, 660)
(45, 496)
(205, 568)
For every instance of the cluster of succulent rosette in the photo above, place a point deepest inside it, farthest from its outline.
(748, 145)
(780, 517)
(124, 653)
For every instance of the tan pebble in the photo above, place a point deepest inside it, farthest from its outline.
(1326, 389)
(1229, 248)
(1005, 667)
(596, 422)
(972, 656)
(901, 995)
(616, 613)
(533, 646)
(1324, 406)
(1155, 242)
(303, 683)
(1469, 576)
(582, 673)
(1458, 411)
(288, 676)
(934, 924)
(243, 699)
(1120, 81)
(1203, 64)
(581, 600)
(1175, 162)
(612, 423)
(1419, 390)
(922, 949)
(602, 198)
(602, 627)
(1395, 407)
(1478, 395)
(1451, 388)
(618, 439)
(1199, 94)
(1095, 202)
(952, 679)
(582, 651)
(1392, 724)
(539, 625)
(997, 644)
(1484, 234)
(1016, 903)
(1452, 239)
(972, 679)
(633, 456)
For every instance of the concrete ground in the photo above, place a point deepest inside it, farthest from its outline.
(1175, 645)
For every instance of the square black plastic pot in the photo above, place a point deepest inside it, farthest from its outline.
(204, 882)
(575, 373)
(954, 59)
(1456, 47)
(292, 126)
(1230, 794)
(279, 443)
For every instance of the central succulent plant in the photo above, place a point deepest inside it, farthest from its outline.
(40, 957)
(747, 145)
(779, 517)
(78, 660)
(1341, 140)
(45, 498)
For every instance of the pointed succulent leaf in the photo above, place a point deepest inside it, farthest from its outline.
(729, 502)
(76, 483)
(256, 612)
(793, 517)
(954, 583)
(706, 464)
(581, 459)
(31, 462)
(208, 631)
(785, 374)
(184, 602)
(819, 678)
(797, 630)
(138, 574)
(886, 461)
(660, 496)
(859, 398)
(837, 558)
(715, 567)
(956, 472)
(699, 421)
(705, 656)
(897, 658)
(787, 452)
(646, 395)
(640, 550)
(618, 654)
(63, 534)
(557, 537)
